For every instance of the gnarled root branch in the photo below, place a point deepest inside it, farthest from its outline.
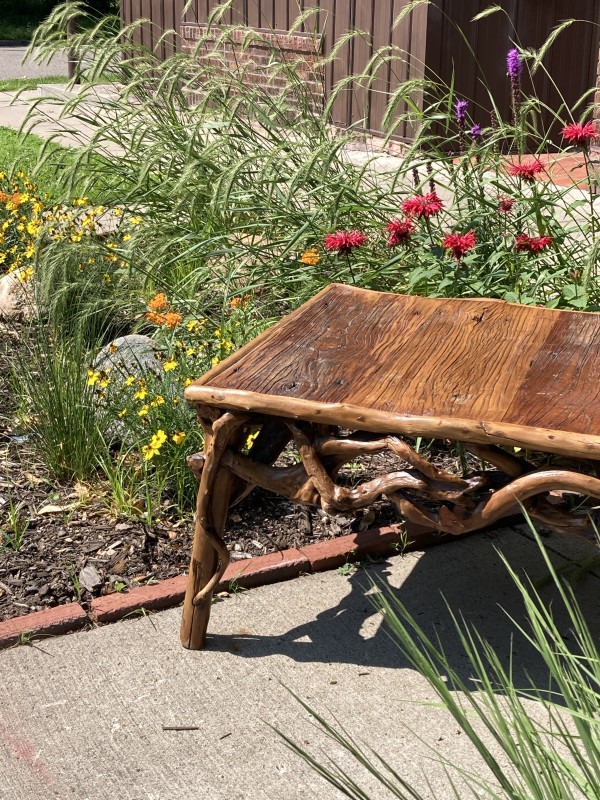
(222, 431)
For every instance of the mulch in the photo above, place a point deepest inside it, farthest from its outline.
(74, 550)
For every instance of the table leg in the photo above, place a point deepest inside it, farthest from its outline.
(209, 554)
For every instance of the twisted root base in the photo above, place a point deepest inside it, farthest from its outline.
(464, 503)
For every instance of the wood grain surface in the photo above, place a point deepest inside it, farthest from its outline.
(481, 370)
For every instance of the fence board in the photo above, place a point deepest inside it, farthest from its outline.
(427, 35)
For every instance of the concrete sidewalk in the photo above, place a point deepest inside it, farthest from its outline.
(82, 716)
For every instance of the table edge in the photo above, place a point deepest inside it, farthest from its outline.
(374, 420)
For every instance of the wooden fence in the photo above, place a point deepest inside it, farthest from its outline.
(431, 37)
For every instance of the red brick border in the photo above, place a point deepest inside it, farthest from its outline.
(50, 622)
(270, 568)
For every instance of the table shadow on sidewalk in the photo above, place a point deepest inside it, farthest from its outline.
(466, 575)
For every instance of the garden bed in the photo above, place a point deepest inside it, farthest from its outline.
(57, 537)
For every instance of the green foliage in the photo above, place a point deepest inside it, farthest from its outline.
(17, 84)
(58, 407)
(14, 528)
(241, 184)
(235, 185)
(553, 759)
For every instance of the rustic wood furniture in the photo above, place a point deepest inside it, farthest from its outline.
(353, 371)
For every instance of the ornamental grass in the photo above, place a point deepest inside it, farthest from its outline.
(534, 742)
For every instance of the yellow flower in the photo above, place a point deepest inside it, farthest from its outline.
(126, 237)
(99, 377)
(170, 365)
(310, 257)
(76, 237)
(117, 211)
(81, 201)
(187, 381)
(106, 278)
(158, 401)
(178, 437)
(141, 393)
(122, 413)
(135, 220)
(29, 251)
(143, 411)
(25, 275)
(130, 381)
(190, 351)
(194, 324)
(215, 360)
(152, 449)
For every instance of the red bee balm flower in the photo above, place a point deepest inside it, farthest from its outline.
(400, 232)
(527, 171)
(344, 241)
(422, 205)
(505, 205)
(532, 244)
(580, 135)
(459, 243)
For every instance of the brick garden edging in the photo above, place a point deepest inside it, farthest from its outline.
(270, 568)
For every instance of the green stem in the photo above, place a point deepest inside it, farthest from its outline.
(592, 260)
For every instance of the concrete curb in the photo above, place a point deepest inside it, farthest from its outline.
(270, 568)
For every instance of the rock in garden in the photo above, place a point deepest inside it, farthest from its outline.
(129, 355)
(17, 301)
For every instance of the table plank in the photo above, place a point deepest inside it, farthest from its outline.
(474, 361)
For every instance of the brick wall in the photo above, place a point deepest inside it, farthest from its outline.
(257, 55)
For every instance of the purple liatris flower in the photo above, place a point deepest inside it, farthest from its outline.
(514, 65)
(460, 108)
(475, 132)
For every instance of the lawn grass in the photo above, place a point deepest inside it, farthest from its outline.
(15, 84)
(22, 152)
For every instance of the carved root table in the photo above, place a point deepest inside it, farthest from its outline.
(352, 371)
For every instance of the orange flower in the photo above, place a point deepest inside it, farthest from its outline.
(239, 302)
(172, 319)
(157, 319)
(158, 302)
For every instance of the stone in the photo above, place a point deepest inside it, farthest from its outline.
(17, 301)
(133, 354)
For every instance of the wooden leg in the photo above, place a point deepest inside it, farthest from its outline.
(209, 554)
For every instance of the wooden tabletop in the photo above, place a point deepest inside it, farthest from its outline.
(478, 370)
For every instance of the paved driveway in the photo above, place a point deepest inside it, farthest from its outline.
(12, 66)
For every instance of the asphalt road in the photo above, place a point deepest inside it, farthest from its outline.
(12, 66)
